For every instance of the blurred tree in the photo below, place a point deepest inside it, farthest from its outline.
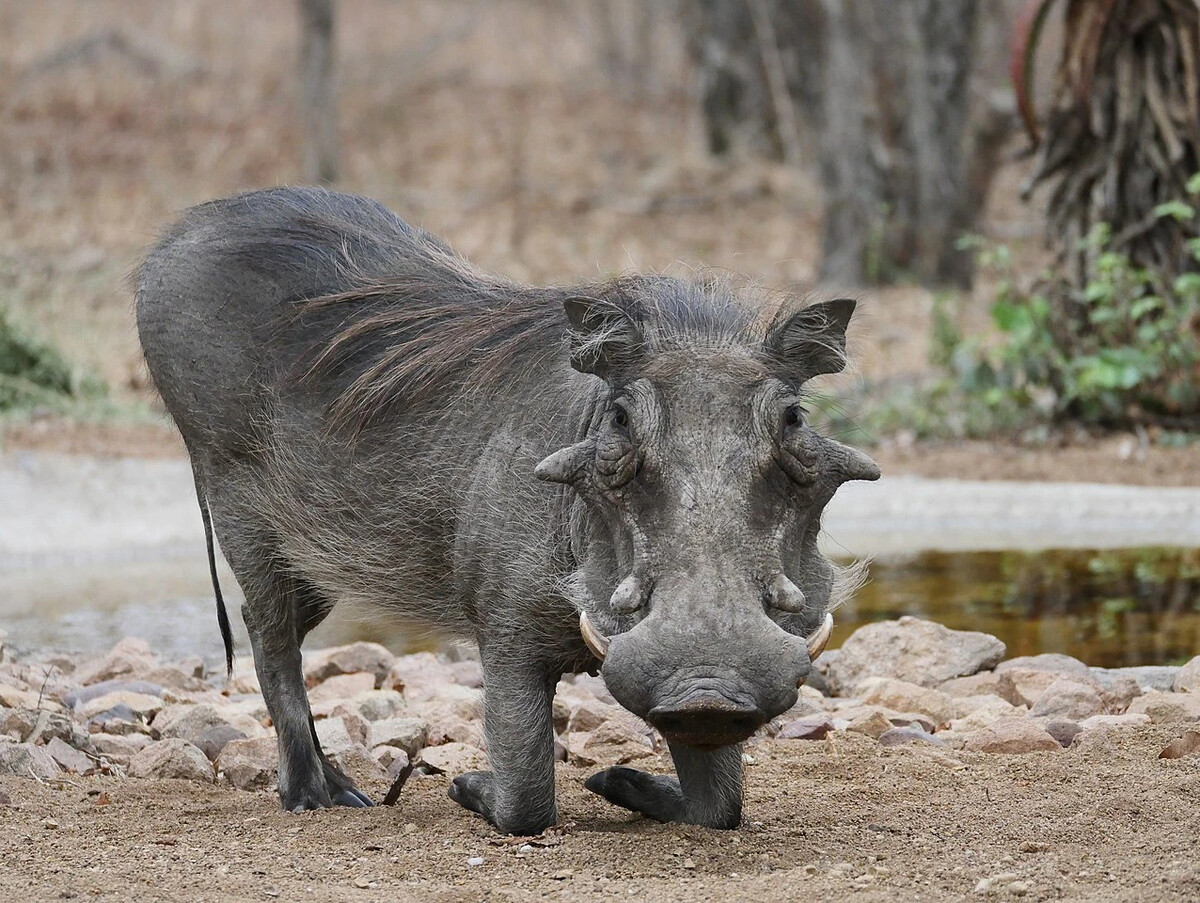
(884, 91)
(318, 104)
(1121, 148)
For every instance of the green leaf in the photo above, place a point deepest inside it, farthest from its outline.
(1193, 184)
(1178, 210)
(1145, 305)
(1187, 284)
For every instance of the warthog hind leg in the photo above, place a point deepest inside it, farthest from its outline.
(707, 791)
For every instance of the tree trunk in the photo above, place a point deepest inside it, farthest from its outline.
(881, 89)
(317, 100)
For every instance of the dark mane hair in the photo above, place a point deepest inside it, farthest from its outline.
(434, 327)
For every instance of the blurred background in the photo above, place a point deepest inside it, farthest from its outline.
(1009, 187)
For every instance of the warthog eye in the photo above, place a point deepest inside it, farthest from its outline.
(620, 420)
(793, 416)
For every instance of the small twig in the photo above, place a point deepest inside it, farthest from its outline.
(393, 793)
(45, 680)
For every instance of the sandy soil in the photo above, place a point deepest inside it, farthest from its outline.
(827, 820)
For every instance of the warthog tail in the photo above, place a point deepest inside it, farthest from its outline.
(222, 612)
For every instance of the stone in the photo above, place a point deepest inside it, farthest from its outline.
(356, 658)
(173, 759)
(80, 695)
(984, 683)
(1053, 662)
(356, 725)
(130, 658)
(27, 761)
(140, 704)
(902, 736)
(192, 722)
(408, 734)
(1067, 700)
(612, 743)
(1012, 736)
(1064, 732)
(56, 724)
(588, 714)
(249, 764)
(455, 758)
(117, 748)
(212, 741)
(965, 705)
(982, 712)
(1187, 745)
(1117, 721)
(18, 723)
(874, 725)
(1188, 678)
(120, 714)
(379, 705)
(1146, 677)
(419, 676)
(902, 696)
(68, 757)
(560, 714)
(1167, 708)
(17, 698)
(468, 674)
(810, 727)
(446, 723)
(358, 764)
(114, 725)
(911, 649)
(342, 687)
(334, 737)
(180, 680)
(390, 759)
(1119, 692)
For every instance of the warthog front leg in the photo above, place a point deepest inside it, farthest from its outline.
(707, 791)
(517, 796)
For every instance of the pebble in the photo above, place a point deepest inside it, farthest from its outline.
(811, 727)
(475, 861)
(1068, 700)
(899, 736)
(874, 725)
(1012, 736)
(1187, 745)
(1167, 708)
(1064, 732)
(355, 658)
(408, 734)
(24, 760)
(902, 696)
(173, 758)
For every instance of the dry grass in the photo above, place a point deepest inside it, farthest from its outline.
(497, 125)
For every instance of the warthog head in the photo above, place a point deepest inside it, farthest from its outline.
(700, 488)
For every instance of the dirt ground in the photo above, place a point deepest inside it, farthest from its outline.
(840, 819)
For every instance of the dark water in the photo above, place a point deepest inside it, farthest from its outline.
(1109, 608)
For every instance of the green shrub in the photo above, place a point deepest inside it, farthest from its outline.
(33, 373)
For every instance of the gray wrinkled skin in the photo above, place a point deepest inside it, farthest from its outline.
(371, 420)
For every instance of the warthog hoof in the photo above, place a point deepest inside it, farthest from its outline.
(476, 790)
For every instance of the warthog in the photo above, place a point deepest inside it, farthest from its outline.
(614, 475)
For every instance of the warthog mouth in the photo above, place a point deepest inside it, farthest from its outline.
(599, 644)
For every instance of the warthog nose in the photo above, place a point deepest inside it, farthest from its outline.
(707, 722)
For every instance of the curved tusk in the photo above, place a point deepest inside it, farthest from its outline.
(816, 642)
(595, 640)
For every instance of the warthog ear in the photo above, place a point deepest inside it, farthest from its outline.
(603, 336)
(812, 340)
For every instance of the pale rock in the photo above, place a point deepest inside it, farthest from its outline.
(1188, 678)
(56, 724)
(118, 748)
(965, 705)
(444, 725)
(68, 757)
(18, 723)
(249, 764)
(593, 684)
(141, 704)
(118, 726)
(1025, 686)
(334, 737)
(16, 698)
(911, 649)
(172, 758)
(213, 740)
(810, 727)
(468, 673)
(902, 736)
(1067, 700)
(560, 714)
(244, 680)
(192, 722)
(419, 676)
(1013, 736)
(902, 696)
(80, 695)
(358, 764)
(408, 734)
(612, 743)
(1064, 732)
(1119, 692)
(873, 725)
(1116, 721)
(985, 683)
(379, 705)
(342, 687)
(1097, 741)
(253, 707)
(589, 714)
(984, 714)
(357, 726)
(455, 758)
(919, 720)
(1187, 745)
(130, 658)
(1167, 708)
(1146, 677)
(356, 658)
(178, 679)
(1053, 662)
(391, 759)
(26, 760)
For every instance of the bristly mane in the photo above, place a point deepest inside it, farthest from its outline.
(434, 328)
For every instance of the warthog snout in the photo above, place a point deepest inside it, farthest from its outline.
(707, 722)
